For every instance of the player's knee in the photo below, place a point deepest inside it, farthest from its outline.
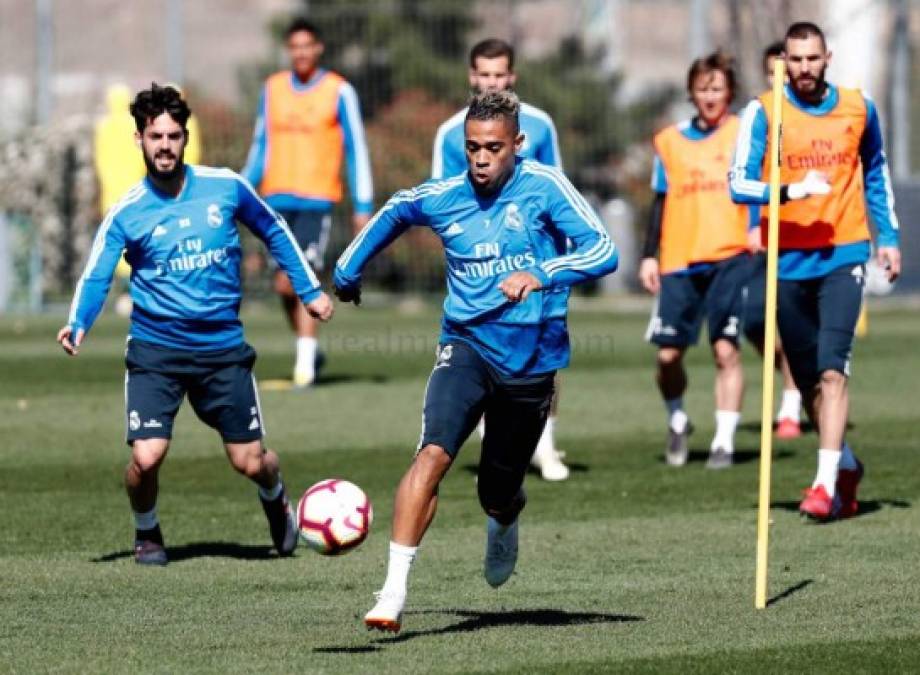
(431, 463)
(497, 502)
(148, 454)
(726, 353)
(669, 356)
(832, 380)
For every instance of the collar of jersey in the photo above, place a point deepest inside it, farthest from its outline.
(491, 199)
(297, 85)
(186, 186)
(827, 104)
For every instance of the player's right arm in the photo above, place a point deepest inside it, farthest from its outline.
(396, 216)
(93, 285)
(255, 161)
(649, 275)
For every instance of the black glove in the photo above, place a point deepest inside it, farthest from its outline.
(350, 294)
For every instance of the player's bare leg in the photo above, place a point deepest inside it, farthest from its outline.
(729, 391)
(672, 383)
(413, 510)
(262, 467)
(305, 327)
(828, 406)
(788, 417)
(142, 485)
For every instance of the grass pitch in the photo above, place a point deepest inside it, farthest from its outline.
(630, 566)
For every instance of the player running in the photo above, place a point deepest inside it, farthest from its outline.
(788, 417)
(703, 261)
(309, 121)
(504, 224)
(178, 229)
(492, 69)
(833, 170)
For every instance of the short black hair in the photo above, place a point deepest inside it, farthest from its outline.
(490, 105)
(299, 24)
(772, 50)
(151, 103)
(802, 30)
(718, 61)
(492, 48)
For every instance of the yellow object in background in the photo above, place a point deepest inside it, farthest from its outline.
(862, 324)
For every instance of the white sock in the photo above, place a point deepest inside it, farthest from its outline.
(306, 353)
(546, 446)
(147, 520)
(677, 418)
(791, 405)
(726, 423)
(847, 458)
(271, 494)
(401, 558)
(828, 463)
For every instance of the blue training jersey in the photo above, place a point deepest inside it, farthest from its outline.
(747, 186)
(185, 253)
(523, 227)
(540, 142)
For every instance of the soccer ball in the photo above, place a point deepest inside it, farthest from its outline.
(334, 516)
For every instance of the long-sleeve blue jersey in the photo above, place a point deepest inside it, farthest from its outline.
(747, 186)
(524, 226)
(185, 253)
(540, 142)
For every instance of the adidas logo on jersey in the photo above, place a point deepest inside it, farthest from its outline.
(453, 230)
(159, 231)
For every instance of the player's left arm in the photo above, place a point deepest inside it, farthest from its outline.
(879, 193)
(593, 253)
(357, 158)
(394, 218)
(274, 232)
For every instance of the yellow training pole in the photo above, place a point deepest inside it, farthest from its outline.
(766, 413)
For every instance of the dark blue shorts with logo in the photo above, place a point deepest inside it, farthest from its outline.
(220, 386)
(311, 230)
(685, 298)
(817, 321)
(464, 387)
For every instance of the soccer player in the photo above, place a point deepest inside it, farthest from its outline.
(695, 257)
(504, 224)
(178, 229)
(309, 121)
(788, 419)
(491, 68)
(833, 172)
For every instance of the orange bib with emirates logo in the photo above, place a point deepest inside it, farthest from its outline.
(830, 144)
(303, 155)
(700, 221)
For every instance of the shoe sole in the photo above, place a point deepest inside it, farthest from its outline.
(385, 625)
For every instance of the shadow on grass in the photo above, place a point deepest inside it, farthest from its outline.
(866, 507)
(795, 588)
(738, 457)
(473, 621)
(805, 426)
(574, 467)
(205, 549)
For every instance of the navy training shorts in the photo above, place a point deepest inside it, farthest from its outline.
(220, 386)
(311, 230)
(817, 321)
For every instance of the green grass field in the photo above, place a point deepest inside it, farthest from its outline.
(630, 566)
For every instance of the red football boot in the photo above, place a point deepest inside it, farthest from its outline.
(847, 485)
(787, 428)
(818, 505)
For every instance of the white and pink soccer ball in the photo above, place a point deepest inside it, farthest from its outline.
(334, 516)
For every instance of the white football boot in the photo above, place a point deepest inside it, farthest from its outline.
(386, 615)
